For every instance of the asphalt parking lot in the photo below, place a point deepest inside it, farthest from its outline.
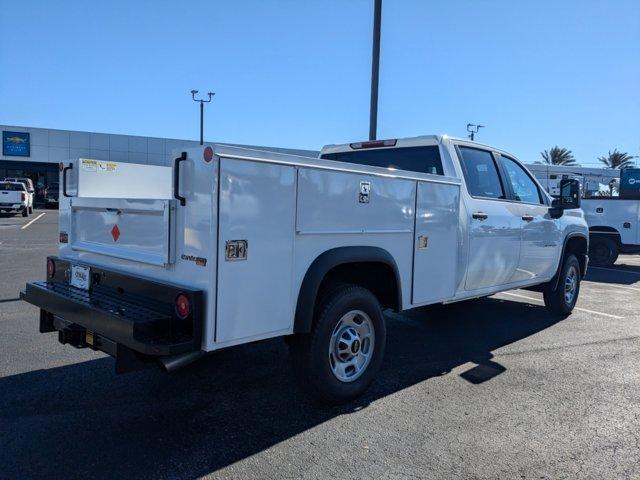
(493, 388)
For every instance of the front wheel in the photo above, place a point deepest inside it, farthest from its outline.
(340, 357)
(562, 299)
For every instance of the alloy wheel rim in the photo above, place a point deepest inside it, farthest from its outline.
(570, 285)
(351, 346)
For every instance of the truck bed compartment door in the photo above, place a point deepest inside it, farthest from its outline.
(137, 230)
(255, 250)
(435, 242)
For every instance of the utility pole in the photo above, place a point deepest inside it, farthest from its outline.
(375, 70)
(202, 102)
(473, 129)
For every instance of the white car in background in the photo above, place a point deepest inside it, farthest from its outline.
(14, 198)
(28, 184)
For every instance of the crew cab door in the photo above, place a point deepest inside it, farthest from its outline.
(541, 245)
(494, 224)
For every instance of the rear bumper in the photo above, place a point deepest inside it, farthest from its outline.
(118, 311)
(16, 207)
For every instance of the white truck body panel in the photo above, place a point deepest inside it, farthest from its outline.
(145, 232)
(97, 178)
(620, 214)
(255, 296)
(290, 210)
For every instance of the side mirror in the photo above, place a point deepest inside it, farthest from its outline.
(569, 194)
(569, 198)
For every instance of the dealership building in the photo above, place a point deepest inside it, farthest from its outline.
(37, 152)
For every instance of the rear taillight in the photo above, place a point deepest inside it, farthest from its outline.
(23, 196)
(183, 306)
(51, 268)
(374, 144)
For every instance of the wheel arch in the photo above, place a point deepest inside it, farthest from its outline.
(577, 244)
(598, 230)
(370, 267)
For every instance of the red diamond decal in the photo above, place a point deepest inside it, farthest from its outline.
(115, 233)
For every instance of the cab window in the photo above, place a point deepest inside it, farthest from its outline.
(481, 173)
(522, 185)
(414, 159)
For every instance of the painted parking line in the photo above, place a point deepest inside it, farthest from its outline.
(27, 224)
(615, 270)
(575, 308)
(613, 285)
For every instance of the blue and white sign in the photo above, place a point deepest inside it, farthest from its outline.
(16, 144)
(630, 182)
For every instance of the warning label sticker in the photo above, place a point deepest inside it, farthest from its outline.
(90, 165)
(107, 166)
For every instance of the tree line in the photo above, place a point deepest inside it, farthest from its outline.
(563, 156)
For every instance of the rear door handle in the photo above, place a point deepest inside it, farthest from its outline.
(480, 216)
(527, 218)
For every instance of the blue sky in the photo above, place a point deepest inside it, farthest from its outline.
(297, 73)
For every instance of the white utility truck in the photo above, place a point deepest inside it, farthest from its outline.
(611, 204)
(231, 245)
(14, 198)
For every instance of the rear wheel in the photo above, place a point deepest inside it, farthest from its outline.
(603, 251)
(25, 212)
(339, 358)
(564, 296)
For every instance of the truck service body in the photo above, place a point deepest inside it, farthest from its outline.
(232, 245)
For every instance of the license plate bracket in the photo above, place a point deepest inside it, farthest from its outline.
(80, 277)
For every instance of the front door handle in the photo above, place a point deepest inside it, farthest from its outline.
(479, 216)
(527, 218)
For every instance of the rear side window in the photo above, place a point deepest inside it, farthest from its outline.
(481, 173)
(11, 187)
(414, 159)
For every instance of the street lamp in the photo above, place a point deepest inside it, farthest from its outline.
(202, 102)
(375, 70)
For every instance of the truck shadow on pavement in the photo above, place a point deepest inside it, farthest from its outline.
(82, 420)
(620, 273)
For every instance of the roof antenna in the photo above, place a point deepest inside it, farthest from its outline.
(473, 129)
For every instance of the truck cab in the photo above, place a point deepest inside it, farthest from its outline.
(161, 265)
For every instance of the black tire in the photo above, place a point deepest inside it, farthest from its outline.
(603, 251)
(25, 212)
(310, 352)
(555, 299)
(31, 209)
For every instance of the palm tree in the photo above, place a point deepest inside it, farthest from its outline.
(558, 156)
(617, 159)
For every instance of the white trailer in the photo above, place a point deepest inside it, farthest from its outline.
(611, 206)
(230, 246)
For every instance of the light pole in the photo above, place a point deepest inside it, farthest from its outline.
(202, 102)
(473, 129)
(375, 70)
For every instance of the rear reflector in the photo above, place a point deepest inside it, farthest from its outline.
(51, 268)
(183, 306)
(23, 196)
(374, 144)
